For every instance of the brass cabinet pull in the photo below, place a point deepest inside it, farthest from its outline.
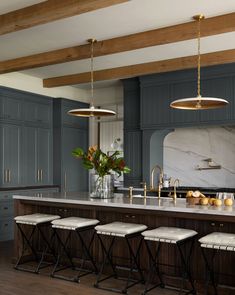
(41, 174)
(38, 175)
(9, 175)
(5, 175)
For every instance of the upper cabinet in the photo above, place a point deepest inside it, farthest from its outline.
(158, 91)
(24, 107)
(131, 104)
(10, 108)
(38, 112)
(72, 121)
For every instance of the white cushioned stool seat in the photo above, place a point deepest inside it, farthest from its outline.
(36, 218)
(218, 240)
(72, 223)
(168, 234)
(119, 229)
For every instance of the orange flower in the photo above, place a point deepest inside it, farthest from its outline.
(92, 149)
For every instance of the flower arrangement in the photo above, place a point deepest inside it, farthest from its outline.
(101, 162)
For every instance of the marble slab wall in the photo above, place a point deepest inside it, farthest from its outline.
(186, 149)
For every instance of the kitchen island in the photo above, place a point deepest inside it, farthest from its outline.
(151, 212)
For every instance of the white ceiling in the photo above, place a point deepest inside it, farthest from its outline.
(123, 19)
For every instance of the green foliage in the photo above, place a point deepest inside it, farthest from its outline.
(102, 163)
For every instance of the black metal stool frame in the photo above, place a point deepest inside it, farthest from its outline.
(210, 275)
(27, 242)
(133, 257)
(154, 266)
(64, 252)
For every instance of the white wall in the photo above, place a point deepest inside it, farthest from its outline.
(32, 84)
(187, 148)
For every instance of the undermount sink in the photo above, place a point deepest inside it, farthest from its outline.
(152, 197)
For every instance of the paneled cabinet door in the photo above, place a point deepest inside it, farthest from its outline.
(10, 155)
(36, 156)
(29, 156)
(74, 176)
(10, 108)
(44, 156)
(38, 113)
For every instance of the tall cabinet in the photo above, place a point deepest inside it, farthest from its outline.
(68, 133)
(132, 132)
(26, 139)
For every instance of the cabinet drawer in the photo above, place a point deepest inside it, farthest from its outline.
(6, 208)
(5, 196)
(6, 229)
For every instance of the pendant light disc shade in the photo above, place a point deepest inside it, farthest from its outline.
(91, 112)
(199, 103)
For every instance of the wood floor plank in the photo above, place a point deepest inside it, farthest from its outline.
(14, 282)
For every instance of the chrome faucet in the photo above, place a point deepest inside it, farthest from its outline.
(160, 179)
(174, 184)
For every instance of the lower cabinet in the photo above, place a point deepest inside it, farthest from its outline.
(6, 216)
(7, 209)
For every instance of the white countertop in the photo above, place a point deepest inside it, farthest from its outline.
(122, 201)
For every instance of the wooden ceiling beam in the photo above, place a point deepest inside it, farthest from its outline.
(188, 62)
(186, 31)
(48, 11)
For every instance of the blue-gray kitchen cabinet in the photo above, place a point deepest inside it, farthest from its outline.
(68, 133)
(10, 149)
(10, 108)
(36, 156)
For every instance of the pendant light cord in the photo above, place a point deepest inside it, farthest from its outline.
(199, 59)
(92, 72)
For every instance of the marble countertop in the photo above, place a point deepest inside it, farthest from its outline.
(137, 202)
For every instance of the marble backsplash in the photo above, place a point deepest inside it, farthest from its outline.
(187, 148)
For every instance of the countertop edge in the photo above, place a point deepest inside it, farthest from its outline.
(94, 202)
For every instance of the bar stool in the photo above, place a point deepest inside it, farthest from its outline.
(36, 222)
(169, 235)
(126, 231)
(216, 242)
(79, 226)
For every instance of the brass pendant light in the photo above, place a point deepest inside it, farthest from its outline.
(199, 102)
(91, 111)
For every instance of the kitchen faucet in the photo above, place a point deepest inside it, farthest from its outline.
(160, 180)
(174, 184)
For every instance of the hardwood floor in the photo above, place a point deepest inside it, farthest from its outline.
(14, 282)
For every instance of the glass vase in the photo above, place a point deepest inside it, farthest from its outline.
(101, 187)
